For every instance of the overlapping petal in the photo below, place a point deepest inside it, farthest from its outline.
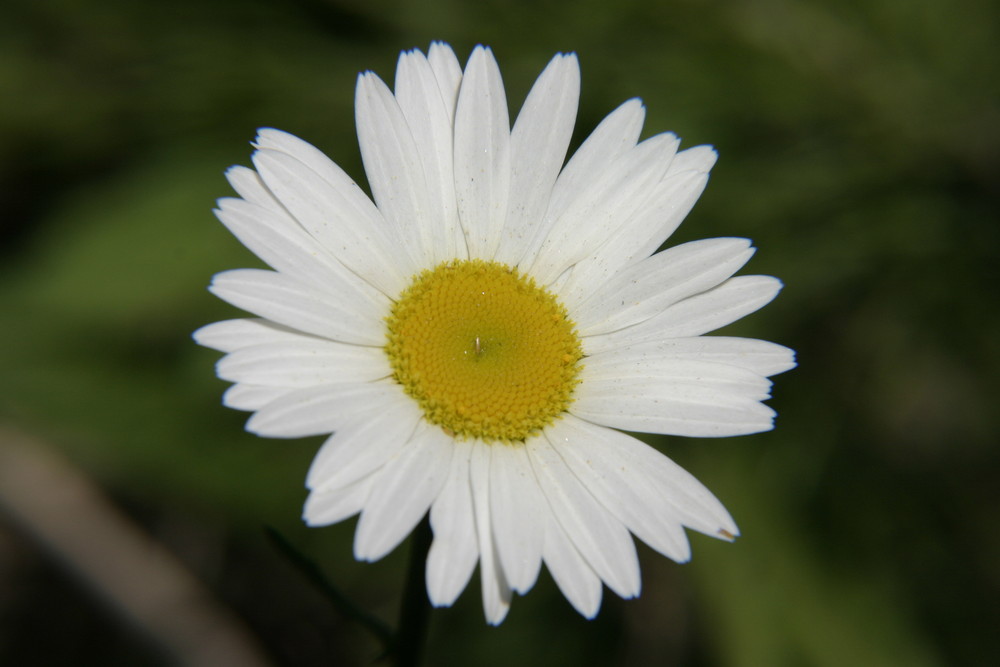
(694, 316)
(496, 590)
(482, 154)
(303, 363)
(539, 141)
(649, 287)
(429, 115)
(455, 550)
(571, 572)
(516, 515)
(708, 406)
(251, 397)
(622, 489)
(403, 492)
(600, 538)
(364, 443)
(333, 210)
(232, 335)
(319, 409)
(597, 213)
(310, 309)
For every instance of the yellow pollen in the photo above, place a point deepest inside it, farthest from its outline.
(485, 352)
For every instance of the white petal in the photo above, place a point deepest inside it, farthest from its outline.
(601, 539)
(698, 158)
(699, 314)
(364, 444)
(762, 357)
(598, 213)
(231, 335)
(672, 199)
(335, 211)
(402, 493)
(430, 120)
(251, 397)
(325, 508)
(675, 197)
(455, 550)
(642, 233)
(304, 362)
(715, 403)
(319, 410)
(281, 242)
(482, 154)
(614, 136)
(516, 515)
(648, 287)
(609, 372)
(693, 504)
(716, 308)
(448, 73)
(395, 170)
(346, 317)
(591, 453)
(688, 499)
(250, 187)
(571, 572)
(496, 590)
(539, 141)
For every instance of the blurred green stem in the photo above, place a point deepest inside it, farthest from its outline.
(414, 612)
(313, 573)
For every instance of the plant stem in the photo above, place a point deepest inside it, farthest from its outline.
(414, 612)
(339, 601)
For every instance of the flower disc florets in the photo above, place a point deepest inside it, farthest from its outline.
(485, 352)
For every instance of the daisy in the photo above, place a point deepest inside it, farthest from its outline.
(477, 340)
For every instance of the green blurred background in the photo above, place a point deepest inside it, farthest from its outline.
(860, 150)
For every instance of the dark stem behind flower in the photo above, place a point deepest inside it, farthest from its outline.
(414, 611)
(344, 605)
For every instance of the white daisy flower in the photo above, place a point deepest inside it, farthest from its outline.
(476, 340)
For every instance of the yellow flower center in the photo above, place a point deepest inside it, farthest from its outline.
(485, 352)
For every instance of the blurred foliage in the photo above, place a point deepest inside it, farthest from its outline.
(860, 149)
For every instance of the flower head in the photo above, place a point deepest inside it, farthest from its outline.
(476, 340)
